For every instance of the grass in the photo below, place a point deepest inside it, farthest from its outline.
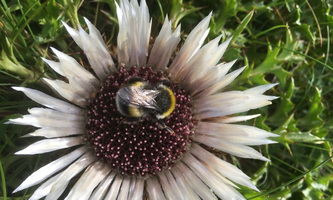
(280, 41)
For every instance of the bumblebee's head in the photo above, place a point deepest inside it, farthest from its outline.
(166, 101)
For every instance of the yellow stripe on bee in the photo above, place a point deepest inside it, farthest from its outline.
(172, 105)
(137, 84)
(134, 112)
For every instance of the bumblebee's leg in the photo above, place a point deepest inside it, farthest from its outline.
(165, 82)
(170, 130)
(130, 120)
(162, 125)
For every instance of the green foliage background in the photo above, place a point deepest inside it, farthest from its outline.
(280, 41)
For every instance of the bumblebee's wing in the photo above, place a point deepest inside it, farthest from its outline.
(139, 97)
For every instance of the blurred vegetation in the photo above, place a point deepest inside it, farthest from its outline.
(280, 41)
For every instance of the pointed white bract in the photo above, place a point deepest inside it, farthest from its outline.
(49, 169)
(49, 113)
(40, 121)
(154, 189)
(227, 103)
(103, 187)
(221, 186)
(224, 168)
(136, 189)
(53, 132)
(234, 148)
(195, 182)
(62, 181)
(49, 101)
(134, 32)
(71, 68)
(167, 188)
(44, 189)
(114, 189)
(66, 91)
(94, 47)
(88, 181)
(48, 145)
(164, 45)
(207, 78)
(221, 83)
(192, 44)
(233, 119)
(198, 174)
(183, 185)
(205, 60)
(123, 193)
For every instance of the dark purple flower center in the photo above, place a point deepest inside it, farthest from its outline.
(137, 148)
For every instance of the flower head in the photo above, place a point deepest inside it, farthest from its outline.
(169, 157)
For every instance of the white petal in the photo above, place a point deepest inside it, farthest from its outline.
(207, 56)
(73, 69)
(56, 66)
(44, 189)
(236, 96)
(226, 80)
(226, 103)
(233, 119)
(200, 62)
(52, 132)
(206, 78)
(66, 176)
(96, 51)
(103, 187)
(39, 121)
(220, 186)
(49, 169)
(49, 101)
(183, 186)
(228, 147)
(55, 114)
(174, 185)
(136, 188)
(260, 89)
(168, 190)
(134, 32)
(198, 186)
(192, 44)
(154, 189)
(66, 91)
(124, 190)
(164, 45)
(203, 62)
(216, 56)
(81, 87)
(224, 168)
(88, 181)
(94, 33)
(235, 133)
(49, 145)
(114, 189)
(223, 68)
(74, 34)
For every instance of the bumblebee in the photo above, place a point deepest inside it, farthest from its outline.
(140, 100)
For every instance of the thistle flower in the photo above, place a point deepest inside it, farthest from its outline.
(112, 158)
